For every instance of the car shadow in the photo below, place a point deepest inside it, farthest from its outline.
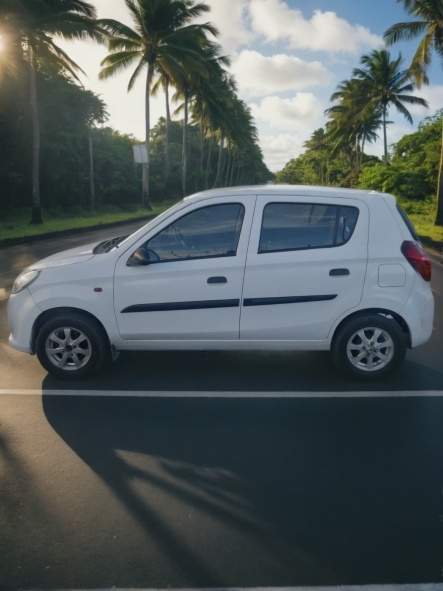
(260, 492)
(245, 371)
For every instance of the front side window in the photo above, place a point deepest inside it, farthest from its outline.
(209, 232)
(302, 226)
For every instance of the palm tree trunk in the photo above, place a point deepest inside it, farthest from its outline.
(385, 136)
(439, 217)
(91, 171)
(36, 216)
(228, 168)
(167, 132)
(185, 147)
(208, 163)
(219, 163)
(202, 154)
(146, 198)
(231, 178)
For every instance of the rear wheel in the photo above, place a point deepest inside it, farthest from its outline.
(72, 346)
(369, 347)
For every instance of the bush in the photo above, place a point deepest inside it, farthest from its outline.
(395, 179)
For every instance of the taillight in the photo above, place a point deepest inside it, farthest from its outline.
(417, 257)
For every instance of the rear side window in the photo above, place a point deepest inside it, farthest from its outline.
(408, 223)
(303, 226)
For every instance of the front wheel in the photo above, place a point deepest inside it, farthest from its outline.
(369, 347)
(72, 346)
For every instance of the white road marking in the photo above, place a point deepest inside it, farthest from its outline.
(221, 394)
(395, 587)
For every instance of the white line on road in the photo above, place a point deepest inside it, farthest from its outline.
(397, 587)
(221, 394)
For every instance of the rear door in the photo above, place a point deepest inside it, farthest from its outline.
(306, 266)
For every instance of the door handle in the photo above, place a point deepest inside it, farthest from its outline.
(217, 280)
(339, 272)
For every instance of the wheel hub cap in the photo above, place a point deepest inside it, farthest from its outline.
(370, 349)
(68, 348)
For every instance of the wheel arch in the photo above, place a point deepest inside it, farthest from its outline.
(48, 314)
(376, 311)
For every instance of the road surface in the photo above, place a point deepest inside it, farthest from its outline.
(179, 470)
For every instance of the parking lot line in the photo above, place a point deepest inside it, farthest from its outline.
(222, 394)
(396, 587)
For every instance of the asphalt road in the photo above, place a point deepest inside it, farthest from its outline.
(183, 492)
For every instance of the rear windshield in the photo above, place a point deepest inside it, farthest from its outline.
(407, 221)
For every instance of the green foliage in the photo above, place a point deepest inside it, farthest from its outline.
(413, 171)
(66, 112)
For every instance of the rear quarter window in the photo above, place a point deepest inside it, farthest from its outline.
(407, 222)
(305, 226)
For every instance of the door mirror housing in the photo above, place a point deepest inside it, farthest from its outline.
(139, 258)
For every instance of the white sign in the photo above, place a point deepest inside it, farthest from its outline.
(140, 154)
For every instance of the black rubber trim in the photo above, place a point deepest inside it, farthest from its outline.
(288, 300)
(169, 307)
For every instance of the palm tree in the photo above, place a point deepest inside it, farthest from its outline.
(387, 86)
(162, 39)
(196, 84)
(429, 24)
(32, 25)
(353, 121)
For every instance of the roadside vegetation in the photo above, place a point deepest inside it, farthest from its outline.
(413, 168)
(16, 225)
(56, 150)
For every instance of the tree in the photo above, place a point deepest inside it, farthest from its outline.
(31, 26)
(162, 39)
(387, 86)
(429, 25)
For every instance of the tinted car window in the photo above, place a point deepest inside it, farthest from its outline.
(299, 226)
(407, 221)
(212, 231)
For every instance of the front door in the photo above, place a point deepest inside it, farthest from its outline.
(192, 287)
(306, 266)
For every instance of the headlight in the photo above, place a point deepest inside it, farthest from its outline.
(23, 280)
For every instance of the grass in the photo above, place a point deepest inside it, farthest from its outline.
(18, 226)
(422, 215)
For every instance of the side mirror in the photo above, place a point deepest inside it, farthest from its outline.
(140, 258)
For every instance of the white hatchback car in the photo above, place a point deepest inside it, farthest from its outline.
(274, 267)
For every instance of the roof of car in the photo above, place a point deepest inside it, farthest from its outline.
(305, 190)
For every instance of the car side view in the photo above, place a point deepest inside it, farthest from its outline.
(251, 268)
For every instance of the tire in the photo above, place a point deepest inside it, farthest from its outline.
(83, 346)
(369, 347)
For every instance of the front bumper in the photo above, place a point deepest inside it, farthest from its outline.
(22, 314)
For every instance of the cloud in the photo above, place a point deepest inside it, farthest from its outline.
(434, 95)
(285, 124)
(279, 149)
(258, 75)
(230, 17)
(324, 31)
(302, 112)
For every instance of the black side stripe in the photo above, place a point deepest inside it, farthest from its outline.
(287, 300)
(201, 305)
(211, 304)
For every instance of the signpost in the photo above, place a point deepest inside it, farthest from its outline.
(141, 157)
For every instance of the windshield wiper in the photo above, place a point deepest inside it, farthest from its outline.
(108, 245)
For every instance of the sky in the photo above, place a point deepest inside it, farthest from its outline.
(287, 56)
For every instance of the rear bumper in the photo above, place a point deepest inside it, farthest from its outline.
(22, 314)
(419, 313)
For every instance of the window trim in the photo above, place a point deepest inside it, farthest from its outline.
(201, 258)
(338, 206)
